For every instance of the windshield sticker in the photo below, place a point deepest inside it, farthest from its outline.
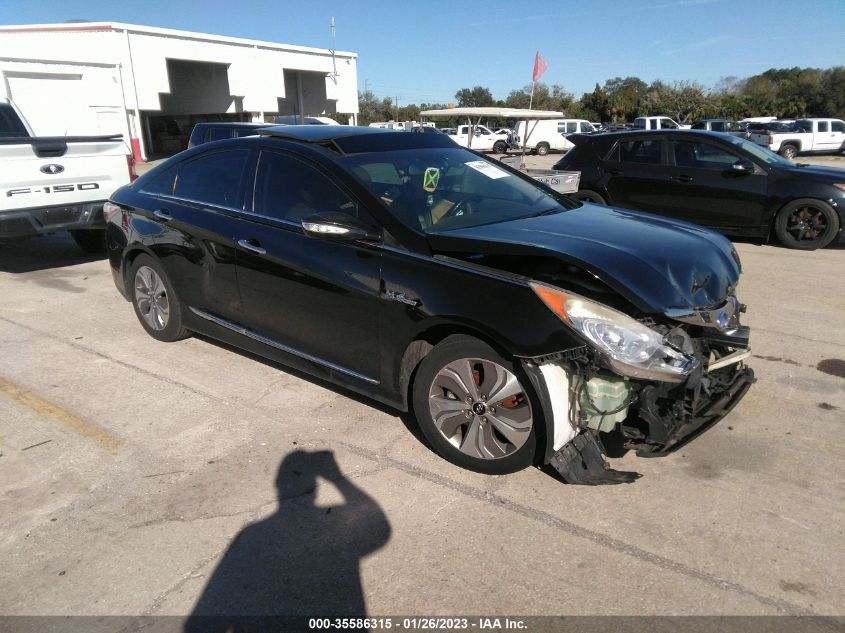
(491, 171)
(430, 179)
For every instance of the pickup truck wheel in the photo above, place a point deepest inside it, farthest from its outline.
(807, 224)
(500, 147)
(90, 240)
(542, 149)
(788, 151)
(156, 304)
(475, 407)
(589, 196)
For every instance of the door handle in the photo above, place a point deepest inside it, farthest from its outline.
(163, 214)
(681, 178)
(252, 245)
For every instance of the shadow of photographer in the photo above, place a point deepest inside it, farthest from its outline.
(304, 560)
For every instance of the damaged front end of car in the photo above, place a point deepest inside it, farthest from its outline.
(659, 381)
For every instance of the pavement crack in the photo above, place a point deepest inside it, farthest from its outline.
(603, 540)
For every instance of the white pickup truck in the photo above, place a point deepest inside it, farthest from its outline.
(484, 140)
(808, 135)
(657, 123)
(57, 183)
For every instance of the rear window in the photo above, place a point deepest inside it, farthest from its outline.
(602, 147)
(10, 123)
(217, 134)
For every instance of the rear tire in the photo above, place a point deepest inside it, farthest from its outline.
(788, 151)
(807, 224)
(498, 434)
(90, 240)
(589, 196)
(542, 149)
(155, 301)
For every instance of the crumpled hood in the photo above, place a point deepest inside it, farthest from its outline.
(655, 262)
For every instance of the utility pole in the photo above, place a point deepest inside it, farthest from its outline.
(397, 108)
(366, 81)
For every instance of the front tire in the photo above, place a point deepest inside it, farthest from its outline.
(476, 408)
(807, 224)
(90, 240)
(155, 301)
(542, 149)
(589, 196)
(500, 147)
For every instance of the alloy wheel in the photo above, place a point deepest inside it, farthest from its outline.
(151, 298)
(807, 223)
(480, 408)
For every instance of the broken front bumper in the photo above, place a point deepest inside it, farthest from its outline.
(671, 428)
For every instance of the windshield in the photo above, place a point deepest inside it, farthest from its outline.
(759, 152)
(440, 189)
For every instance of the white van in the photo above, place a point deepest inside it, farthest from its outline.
(548, 135)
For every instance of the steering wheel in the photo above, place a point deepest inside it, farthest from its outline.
(462, 207)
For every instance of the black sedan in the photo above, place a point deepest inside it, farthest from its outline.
(516, 323)
(722, 182)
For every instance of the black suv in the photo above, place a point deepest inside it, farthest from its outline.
(515, 322)
(723, 182)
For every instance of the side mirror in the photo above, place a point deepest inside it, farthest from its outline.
(338, 227)
(742, 167)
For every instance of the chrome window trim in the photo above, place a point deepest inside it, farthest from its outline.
(284, 348)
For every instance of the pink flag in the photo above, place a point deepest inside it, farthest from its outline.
(539, 66)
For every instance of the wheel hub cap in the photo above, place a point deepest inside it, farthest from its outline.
(480, 408)
(151, 298)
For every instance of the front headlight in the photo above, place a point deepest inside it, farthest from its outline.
(631, 348)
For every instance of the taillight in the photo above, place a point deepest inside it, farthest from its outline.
(771, 139)
(110, 209)
(130, 163)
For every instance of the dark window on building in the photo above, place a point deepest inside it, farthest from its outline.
(289, 189)
(213, 178)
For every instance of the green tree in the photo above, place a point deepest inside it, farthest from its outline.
(477, 97)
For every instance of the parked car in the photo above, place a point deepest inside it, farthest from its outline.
(549, 135)
(218, 130)
(657, 123)
(769, 126)
(483, 140)
(734, 128)
(57, 183)
(720, 181)
(515, 322)
(804, 137)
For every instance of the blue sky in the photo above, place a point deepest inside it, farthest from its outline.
(425, 51)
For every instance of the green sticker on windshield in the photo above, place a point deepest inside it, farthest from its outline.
(430, 179)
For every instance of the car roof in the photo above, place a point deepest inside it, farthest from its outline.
(321, 133)
(582, 138)
(231, 124)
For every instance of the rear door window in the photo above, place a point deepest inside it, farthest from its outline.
(214, 178)
(823, 126)
(645, 151)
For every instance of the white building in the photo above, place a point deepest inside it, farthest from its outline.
(152, 85)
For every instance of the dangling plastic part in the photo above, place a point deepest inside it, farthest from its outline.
(581, 461)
